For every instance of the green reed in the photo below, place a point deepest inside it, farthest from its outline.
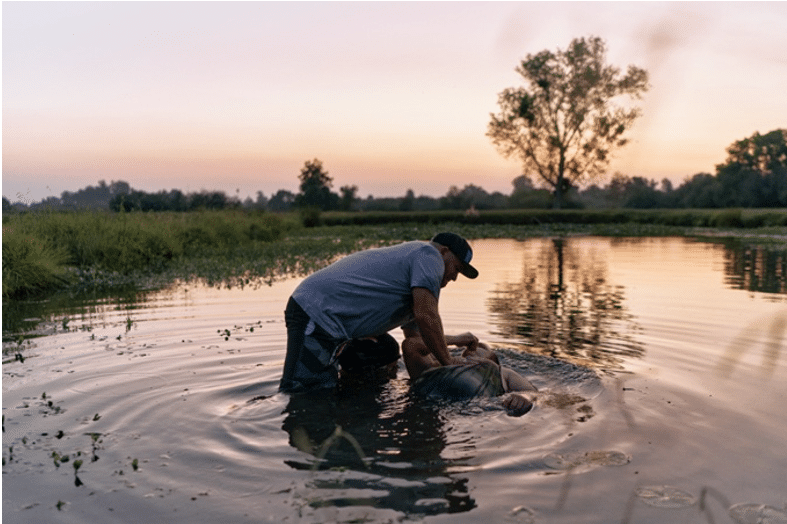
(42, 251)
(31, 264)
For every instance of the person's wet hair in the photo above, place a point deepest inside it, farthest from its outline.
(360, 354)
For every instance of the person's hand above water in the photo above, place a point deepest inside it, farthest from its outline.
(466, 339)
(517, 404)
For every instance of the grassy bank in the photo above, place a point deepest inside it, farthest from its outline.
(42, 251)
(45, 252)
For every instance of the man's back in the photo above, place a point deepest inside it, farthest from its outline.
(370, 292)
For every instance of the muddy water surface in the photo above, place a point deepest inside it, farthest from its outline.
(662, 365)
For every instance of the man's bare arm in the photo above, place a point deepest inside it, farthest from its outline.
(430, 325)
(467, 340)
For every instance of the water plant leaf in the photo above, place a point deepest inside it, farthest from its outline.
(574, 459)
(665, 497)
(757, 514)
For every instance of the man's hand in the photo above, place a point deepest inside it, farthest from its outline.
(467, 340)
(517, 405)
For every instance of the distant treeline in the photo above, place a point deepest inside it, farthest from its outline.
(701, 191)
(754, 176)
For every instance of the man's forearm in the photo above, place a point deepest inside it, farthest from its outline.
(430, 325)
(432, 335)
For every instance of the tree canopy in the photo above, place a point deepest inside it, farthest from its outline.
(315, 187)
(755, 172)
(566, 121)
(764, 154)
(348, 197)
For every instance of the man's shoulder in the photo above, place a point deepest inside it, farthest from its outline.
(413, 245)
(413, 248)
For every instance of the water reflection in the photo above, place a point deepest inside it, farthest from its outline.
(771, 331)
(760, 269)
(31, 318)
(564, 306)
(399, 464)
(755, 268)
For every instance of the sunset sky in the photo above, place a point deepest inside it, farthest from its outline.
(389, 96)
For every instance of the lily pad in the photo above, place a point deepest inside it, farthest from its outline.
(757, 514)
(665, 497)
(574, 459)
(521, 515)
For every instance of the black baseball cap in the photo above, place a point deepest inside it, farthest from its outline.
(460, 248)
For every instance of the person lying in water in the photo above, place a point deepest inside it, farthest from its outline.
(481, 375)
(478, 375)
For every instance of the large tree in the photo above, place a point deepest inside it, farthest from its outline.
(570, 115)
(762, 153)
(315, 186)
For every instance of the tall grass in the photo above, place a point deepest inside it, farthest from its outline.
(30, 265)
(37, 247)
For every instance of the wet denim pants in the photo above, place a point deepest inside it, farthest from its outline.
(310, 348)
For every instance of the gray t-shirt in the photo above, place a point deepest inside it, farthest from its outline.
(370, 292)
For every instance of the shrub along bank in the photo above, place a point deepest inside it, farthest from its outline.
(744, 218)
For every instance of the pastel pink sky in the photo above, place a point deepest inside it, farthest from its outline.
(390, 96)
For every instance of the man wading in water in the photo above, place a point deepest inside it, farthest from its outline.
(365, 295)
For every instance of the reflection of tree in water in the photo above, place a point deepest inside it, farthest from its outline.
(565, 307)
(760, 269)
(401, 441)
(755, 268)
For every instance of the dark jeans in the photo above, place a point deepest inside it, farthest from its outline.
(310, 349)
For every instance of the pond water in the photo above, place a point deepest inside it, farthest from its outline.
(661, 365)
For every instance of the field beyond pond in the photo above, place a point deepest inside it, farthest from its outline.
(87, 251)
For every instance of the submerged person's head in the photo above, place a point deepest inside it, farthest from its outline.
(369, 355)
